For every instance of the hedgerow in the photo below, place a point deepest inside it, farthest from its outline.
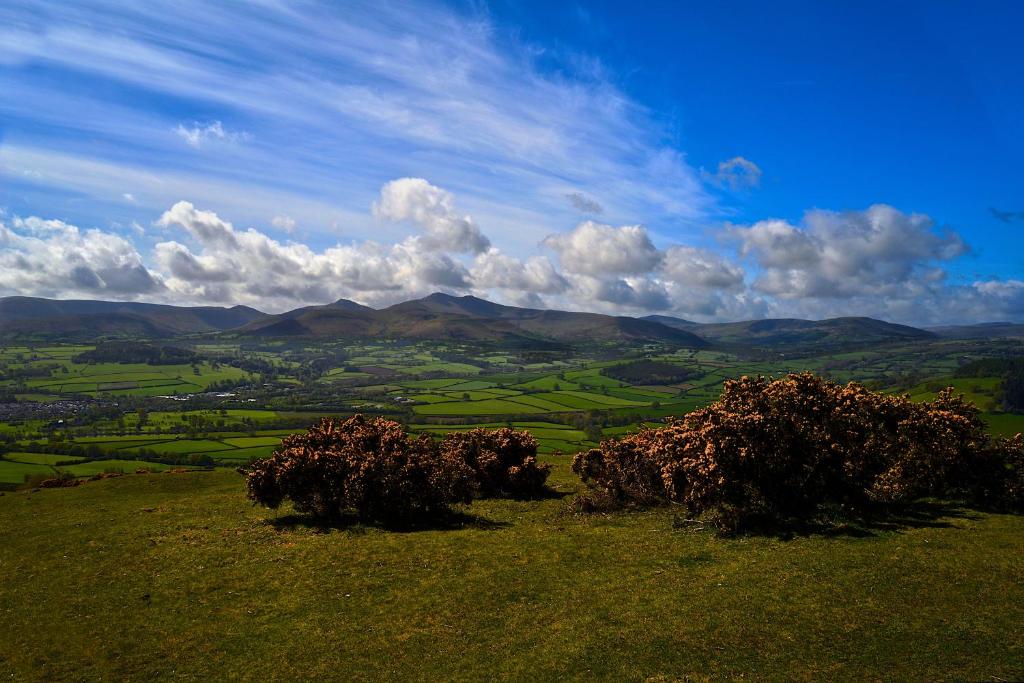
(776, 451)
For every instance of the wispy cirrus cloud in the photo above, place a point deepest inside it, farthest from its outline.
(336, 100)
(198, 134)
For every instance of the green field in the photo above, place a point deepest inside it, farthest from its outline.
(41, 458)
(1004, 424)
(96, 379)
(156, 577)
(16, 472)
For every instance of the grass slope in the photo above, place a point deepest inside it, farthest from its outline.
(177, 576)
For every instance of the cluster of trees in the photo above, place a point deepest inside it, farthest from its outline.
(29, 371)
(136, 352)
(1011, 370)
(650, 372)
(777, 452)
(374, 470)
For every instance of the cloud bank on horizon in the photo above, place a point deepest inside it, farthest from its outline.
(383, 153)
(878, 261)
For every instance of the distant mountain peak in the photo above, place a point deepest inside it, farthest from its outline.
(348, 305)
(443, 296)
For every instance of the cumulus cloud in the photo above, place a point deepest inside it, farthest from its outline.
(596, 249)
(879, 262)
(198, 134)
(433, 209)
(736, 174)
(621, 270)
(248, 266)
(205, 226)
(692, 267)
(53, 258)
(537, 275)
(629, 293)
(880, 251)
(583, 203)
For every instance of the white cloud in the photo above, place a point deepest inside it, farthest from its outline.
(631, 294)
(599, 250)
(206, 226)
(233, 266)
(53, 258)
(433, 209)
(880, 251)
(495, 270)
(699, 268)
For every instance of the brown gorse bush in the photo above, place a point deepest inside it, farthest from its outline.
(503, 461)
(776, 451)
(368, 468)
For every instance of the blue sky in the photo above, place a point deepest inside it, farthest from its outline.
(716, 161)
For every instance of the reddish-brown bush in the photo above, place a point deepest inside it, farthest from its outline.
(782, 449)
(504, 461)
(637, 469)
(370, 468)
(59, 482)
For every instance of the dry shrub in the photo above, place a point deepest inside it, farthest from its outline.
(636, 469)
(503, 461)
(776, 451)
(113, 474)
(370, 468)
(61, 481)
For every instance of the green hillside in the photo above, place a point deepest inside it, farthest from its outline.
(176, 575)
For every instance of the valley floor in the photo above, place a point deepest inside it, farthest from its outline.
(178, 576)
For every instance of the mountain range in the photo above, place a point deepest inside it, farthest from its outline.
(792, 333)
(452, 318)
(84, 319)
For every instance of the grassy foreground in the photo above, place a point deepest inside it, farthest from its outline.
(177, 576)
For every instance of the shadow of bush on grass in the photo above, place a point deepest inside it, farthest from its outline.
(923, 514)
(453, 520)
(546, 493)
(926, 514)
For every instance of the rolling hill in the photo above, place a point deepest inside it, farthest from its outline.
(794, 334)
(82, 319)
(445, 317)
